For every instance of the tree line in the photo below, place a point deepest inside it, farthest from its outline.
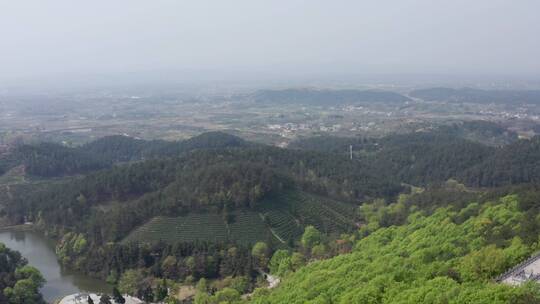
(19, 282)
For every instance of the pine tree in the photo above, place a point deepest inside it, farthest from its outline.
(161, 291)
(148, 294)
(105, 299)
(117, 297)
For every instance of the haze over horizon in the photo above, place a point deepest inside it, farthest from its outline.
(62, 39)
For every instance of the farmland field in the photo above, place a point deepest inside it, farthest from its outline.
(280, 218)
(288, 213)
(246, 228)
(181, 229)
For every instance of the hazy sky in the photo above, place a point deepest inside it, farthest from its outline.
(52, 37)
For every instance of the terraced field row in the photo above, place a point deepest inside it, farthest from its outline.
(249, 227)
(246, 228)
(289, 212)
(184, 228)
(280, 218)
(283, 224)
(327, 215)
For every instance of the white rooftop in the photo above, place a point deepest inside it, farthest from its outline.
(82, 298)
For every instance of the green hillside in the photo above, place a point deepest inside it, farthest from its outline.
(451, 256)
(53, 160)
(196, 209)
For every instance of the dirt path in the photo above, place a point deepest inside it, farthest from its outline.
(185, 293)
(272, 230)
(273, 281)
(8, 191)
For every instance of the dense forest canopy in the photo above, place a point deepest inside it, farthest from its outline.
(395, 202)
(216, 171)
(52, 160)
(450, 256)
(479, 131)
(432, 157)
(19, 282)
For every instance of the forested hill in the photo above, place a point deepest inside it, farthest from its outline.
(239, 175)
(513, 164)
(51, 160)
(470, 95)
(145, 207)
(426, 159)
(122, 148)
(326, 97)
(484, 132)
(478, 131)
(433, 157)
(208, 180)
(450, 256)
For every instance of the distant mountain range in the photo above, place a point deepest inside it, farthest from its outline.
(470, 95)
(326, 97)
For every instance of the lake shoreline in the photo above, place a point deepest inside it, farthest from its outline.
(39, 250)
(21, 227)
